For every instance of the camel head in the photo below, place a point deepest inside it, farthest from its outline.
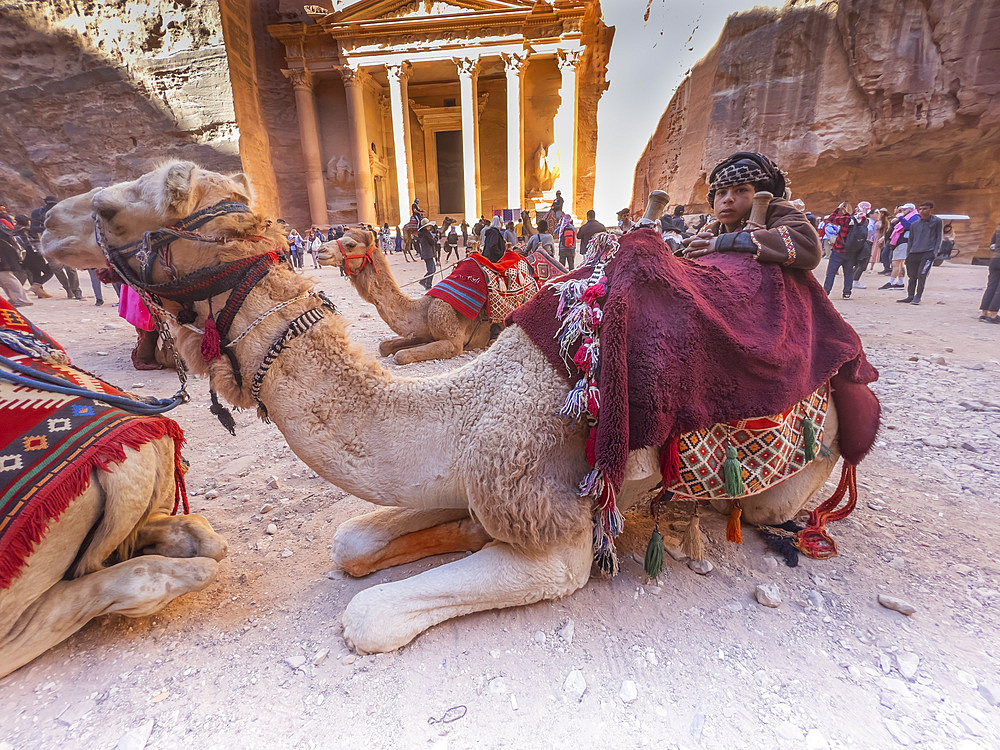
(354, 242)
(69, 233)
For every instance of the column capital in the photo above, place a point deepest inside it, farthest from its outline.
(569, 58)
(351, 74)
(398, 71)
(300, 78)
(467, 66)
(513, 62)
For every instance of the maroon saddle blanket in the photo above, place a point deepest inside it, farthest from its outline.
(687, 344)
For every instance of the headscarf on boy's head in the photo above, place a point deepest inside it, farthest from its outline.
(746, 166)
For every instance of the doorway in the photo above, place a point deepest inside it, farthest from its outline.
(451, 182)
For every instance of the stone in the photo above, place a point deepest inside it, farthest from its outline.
(211, 494)
(898, 732)
(768, 594)
(271, 529)
(135, 738)
(895, 604)
(907, 663)
(336, 574)
(76, 711)
(286, 553)
(295, 662)
(934, 441)
(676, 553)
(788, 731)
(266, 508)
(575, 684)
(349, 659)
(566, 632)
(540, 637)
(272, 483)
(815, 599)
(816, 741)
(701, 567)
(990, 692)
(884, 662)
(939, 361)
(320, 656)
(628, 691)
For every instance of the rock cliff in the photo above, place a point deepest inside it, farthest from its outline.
(96, 91)
(885, 101)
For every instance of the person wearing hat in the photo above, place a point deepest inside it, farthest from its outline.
(786, 238)
(899, 241)
(417, 214)
(427, 250)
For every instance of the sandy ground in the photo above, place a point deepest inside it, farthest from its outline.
(256, 660)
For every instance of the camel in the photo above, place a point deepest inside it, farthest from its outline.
(477, 458)
(410, 236)
(427, 327)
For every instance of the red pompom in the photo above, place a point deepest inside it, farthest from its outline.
(210, 344)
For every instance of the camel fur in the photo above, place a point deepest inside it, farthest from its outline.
(427, 327)
(477, 457)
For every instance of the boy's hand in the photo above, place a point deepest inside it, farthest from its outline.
(699, 244)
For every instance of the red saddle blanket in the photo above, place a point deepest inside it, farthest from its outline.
(685, 345)
(505, 285)
(50, 442)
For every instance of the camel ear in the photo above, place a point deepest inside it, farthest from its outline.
(179, 186)
(244, 191)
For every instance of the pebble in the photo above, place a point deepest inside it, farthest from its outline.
(701, 567)
(788, 731)
(768, 594)
(245, 499)
(101, 354)
(676, 553)
(898, 605)
(349, 659)
(266, 508)
(135, 738)
(815, 599)
(991, 692)
(884, 662)
(540, 637)
(934, 441)
(907, 664)
(816, 741)
(566, 631)
(320, 656)
(271, 529)
(575, 684)
(211, 494)
(898, 732)
(940, 361)
(272, 483)
(286, 553)
(628, 691)
(295, 661)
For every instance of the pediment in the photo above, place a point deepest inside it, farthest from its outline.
(383, 10)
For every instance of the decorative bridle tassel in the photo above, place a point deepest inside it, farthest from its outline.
(670, 462)
(809, 433)
(223, 414)
(732, 473)
(691, 543)
(210, 344)
(734, 532)
(653, 563)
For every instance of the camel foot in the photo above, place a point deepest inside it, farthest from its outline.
(190, 535)
(390, 615)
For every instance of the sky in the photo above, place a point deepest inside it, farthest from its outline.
(649, 59)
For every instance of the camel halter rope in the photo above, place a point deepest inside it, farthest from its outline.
(238, 278)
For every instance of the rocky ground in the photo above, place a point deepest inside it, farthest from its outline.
(257, 660)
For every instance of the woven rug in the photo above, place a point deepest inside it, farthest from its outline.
(50, 442)
(502, 286)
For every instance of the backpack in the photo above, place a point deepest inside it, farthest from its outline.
(568, 239)
(856, 239)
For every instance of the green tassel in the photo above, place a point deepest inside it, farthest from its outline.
(809, 431)
(654, 554)
(732, 473)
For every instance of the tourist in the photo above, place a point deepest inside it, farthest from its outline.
(732, 185)
(926, 234)
(315, 243)
(588, 230)
(496, 223)
(451, 244)
(843, 220)
(427, 250)
(10, 266)
(947, 245)
(95, 284)
(542, 240)
(557, 206)
(567, 243)
(625, 219)
(339, 232)
(399, 241)
(329, 235)
(465, 233)
(494, 246)
(415, 213)
(898, 244)
(509, 235)
(295, 247)
(880, 231)
(991, 297)
(864, 250)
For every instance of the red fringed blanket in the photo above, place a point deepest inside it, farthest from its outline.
(688, 344)
(476, 280)
(50, 443)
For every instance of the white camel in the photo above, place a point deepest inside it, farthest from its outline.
(476, 457)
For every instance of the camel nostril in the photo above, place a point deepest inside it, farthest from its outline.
(107, 213)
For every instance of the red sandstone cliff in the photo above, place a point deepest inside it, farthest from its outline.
(885, 101)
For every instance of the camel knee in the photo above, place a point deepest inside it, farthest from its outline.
(153, 582)
(181, 536)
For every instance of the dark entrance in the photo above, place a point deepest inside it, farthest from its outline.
(451, 184)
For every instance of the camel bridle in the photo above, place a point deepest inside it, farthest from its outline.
(237, 278)
(366, 258)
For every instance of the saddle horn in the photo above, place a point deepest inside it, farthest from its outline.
(656, 204)
(761, 200)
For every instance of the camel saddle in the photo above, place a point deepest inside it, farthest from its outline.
(476, 281)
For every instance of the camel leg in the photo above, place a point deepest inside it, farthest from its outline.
(136, 588)
(390, 346)
(394, 536)
(390, 615)
(443, 349)
(180, 536)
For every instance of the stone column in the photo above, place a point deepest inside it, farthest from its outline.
(305, 108)
(564, 127)
(398, 103)
(514, 65)
(364, 189)
(468, 76)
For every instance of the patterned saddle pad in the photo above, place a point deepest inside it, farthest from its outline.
(770, 450)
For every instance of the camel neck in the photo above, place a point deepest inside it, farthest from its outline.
(376, 284)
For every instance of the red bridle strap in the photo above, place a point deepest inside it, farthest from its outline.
(366, 257)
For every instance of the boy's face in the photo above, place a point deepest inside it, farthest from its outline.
(732, 204)
(925, 212)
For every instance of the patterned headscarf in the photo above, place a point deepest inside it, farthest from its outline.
(743, 167)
